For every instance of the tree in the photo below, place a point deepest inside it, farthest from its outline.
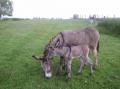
(6, 7)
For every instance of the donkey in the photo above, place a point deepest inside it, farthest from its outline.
(69, 53)
(86, 36)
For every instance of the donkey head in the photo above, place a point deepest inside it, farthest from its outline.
(46, 65)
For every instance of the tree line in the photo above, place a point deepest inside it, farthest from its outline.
(6, 8)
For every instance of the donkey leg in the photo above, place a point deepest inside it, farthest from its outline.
(90, 62)
(69, 61)
(62, 64)
(96, 58)
(81, 66)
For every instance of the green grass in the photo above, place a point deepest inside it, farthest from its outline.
(20, 39)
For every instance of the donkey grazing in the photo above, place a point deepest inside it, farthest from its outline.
(70, 44)
(69, 53)
(87, 36)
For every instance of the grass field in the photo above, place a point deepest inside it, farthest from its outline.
(20, 39)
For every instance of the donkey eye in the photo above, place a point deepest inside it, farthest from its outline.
(52, 48)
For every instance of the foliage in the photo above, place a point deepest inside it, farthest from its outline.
(15, 19)
(6, 7)
(110, 26)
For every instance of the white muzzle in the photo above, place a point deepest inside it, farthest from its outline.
(48, 75)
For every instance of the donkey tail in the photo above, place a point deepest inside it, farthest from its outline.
(98, 46)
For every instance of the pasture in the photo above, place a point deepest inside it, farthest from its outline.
(19, 40)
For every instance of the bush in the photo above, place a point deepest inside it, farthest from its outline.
(110, 26)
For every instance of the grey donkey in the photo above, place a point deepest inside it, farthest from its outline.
(68, 54)
(86, 36)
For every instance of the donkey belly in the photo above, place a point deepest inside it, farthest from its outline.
(76, 52)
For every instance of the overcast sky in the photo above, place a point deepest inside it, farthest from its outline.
(65, 8)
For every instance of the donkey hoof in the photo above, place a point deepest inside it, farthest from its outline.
(94, 67)
(57, 74)
(79, 73)
(68, 78)
(65, 73)
(90, 74)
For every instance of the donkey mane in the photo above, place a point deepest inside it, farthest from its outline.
(48, 45)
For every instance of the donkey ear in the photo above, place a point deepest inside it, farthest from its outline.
(40, 58)
(37, 58)
(57, 44)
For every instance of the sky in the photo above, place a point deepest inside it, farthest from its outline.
(65, 8)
